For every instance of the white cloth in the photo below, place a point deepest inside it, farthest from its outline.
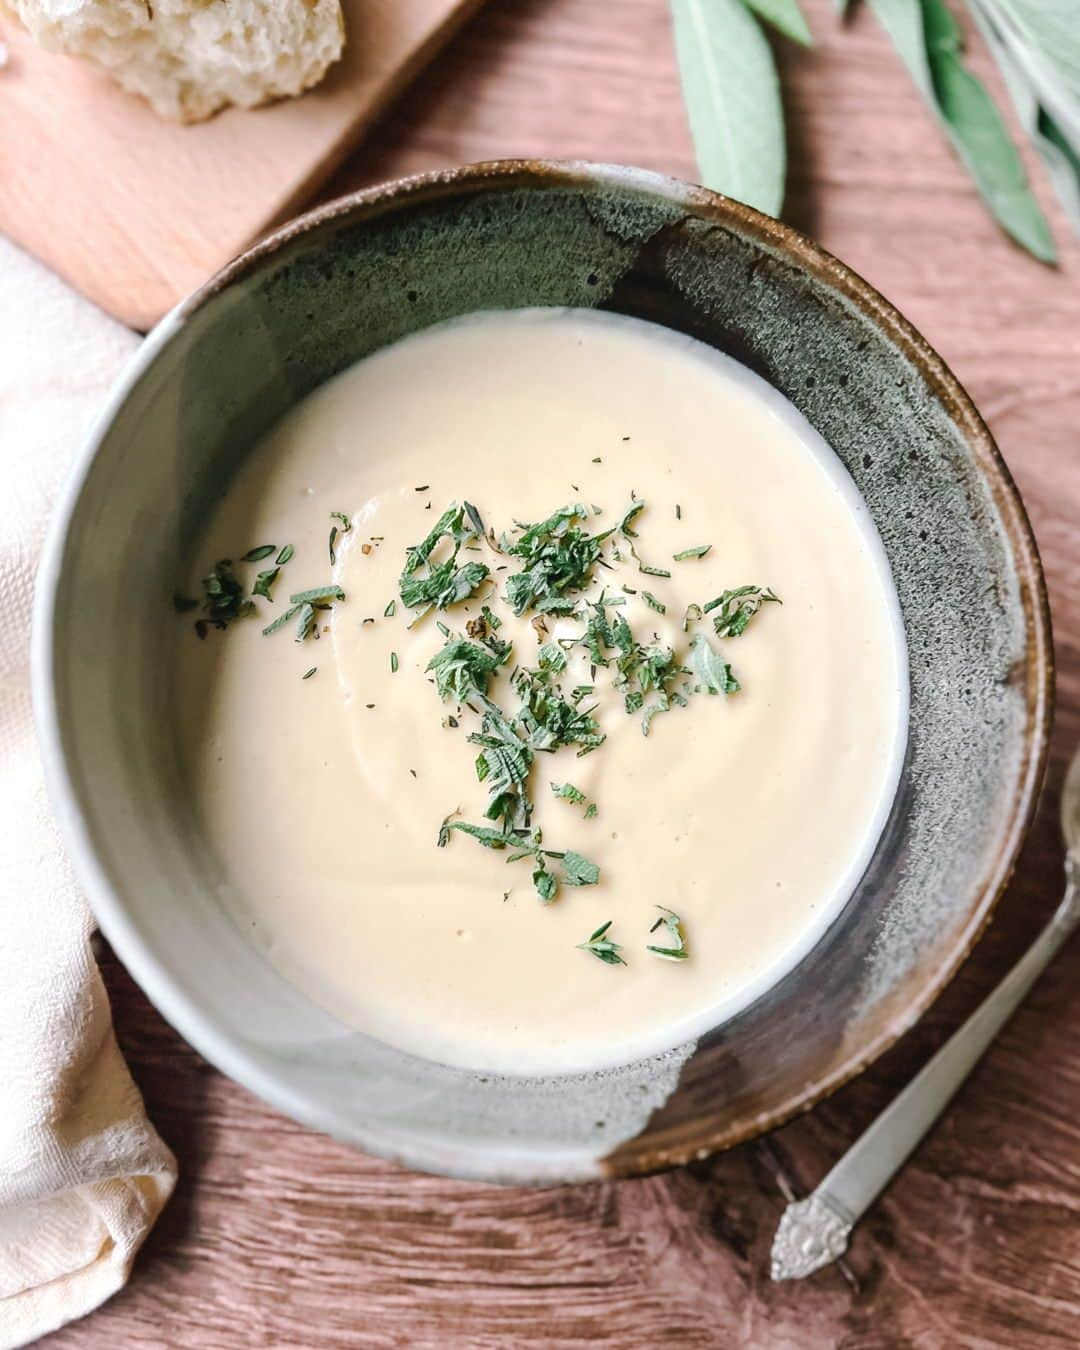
(83, 1175)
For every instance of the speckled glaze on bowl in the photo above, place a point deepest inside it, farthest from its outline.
(367, 270)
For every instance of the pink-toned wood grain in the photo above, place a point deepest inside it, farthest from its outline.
(136, 211)
(280, 1238)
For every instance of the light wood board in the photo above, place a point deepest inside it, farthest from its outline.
(136, 211)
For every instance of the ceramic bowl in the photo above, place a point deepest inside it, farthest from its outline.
(365, 271)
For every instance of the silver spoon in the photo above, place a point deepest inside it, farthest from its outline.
(814, 1232)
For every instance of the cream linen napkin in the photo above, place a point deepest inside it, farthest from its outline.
(83, 1175)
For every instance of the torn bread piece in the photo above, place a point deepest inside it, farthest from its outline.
(189, 58)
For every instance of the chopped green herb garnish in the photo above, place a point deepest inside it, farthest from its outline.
(738, 607)
(306, 621)
(317, 595)
(601, 946)
(425, 585)
(264, 581)
(578, 871)
(558, 562)
(223, 596)
(474, 520)
(630, 516)
(258, 554)
(284, 556)
(712, 673)
(463, 668)
(393, 663)
(184, 604)
(389, 611)
(281, 620)
(546, 884)
(343, 528)
(490, 838)
(558, 557)
(677, 950)
(308, 673)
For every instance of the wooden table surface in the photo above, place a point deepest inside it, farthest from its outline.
(279, 1237)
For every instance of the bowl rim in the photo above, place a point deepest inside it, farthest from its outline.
(929, 977)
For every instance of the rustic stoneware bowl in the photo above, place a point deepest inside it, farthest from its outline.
(358, 274)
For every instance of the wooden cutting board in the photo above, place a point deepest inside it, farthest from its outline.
(135, 211)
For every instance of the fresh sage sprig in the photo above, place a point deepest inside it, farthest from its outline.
(732, 96)
(927, 37)
(1037, 50)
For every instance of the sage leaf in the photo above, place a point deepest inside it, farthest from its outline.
(786, 17)
(1050, 142)
(578, 871)
(1052, 32)
(928, 40)
(732, 98)
(711, 671)
(1049, 58)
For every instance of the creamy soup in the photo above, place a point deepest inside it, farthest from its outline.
(327, 771)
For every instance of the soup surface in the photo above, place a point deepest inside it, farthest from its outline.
(327, 771)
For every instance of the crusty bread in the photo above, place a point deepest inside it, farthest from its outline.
(191, 57)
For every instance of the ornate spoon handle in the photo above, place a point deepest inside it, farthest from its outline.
(813, 1232)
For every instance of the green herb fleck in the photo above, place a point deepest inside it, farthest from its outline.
(475, 520)
(601, 946)
(463, 668)
(547, 885)
(264, 581)
(344, 528)
(389, 611)
(677, 951)
(184, 604)
(558, 557)
(284, 556)
(578, 871)
(713, 674)
(425, 585)
(223, 596)
(306, 621)
(308, 673)
(281, 620)
(738, 607)
(317, 595)
(393, 663)
(258, 554)
(568, 793)
(698, 551)
(653, 603)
